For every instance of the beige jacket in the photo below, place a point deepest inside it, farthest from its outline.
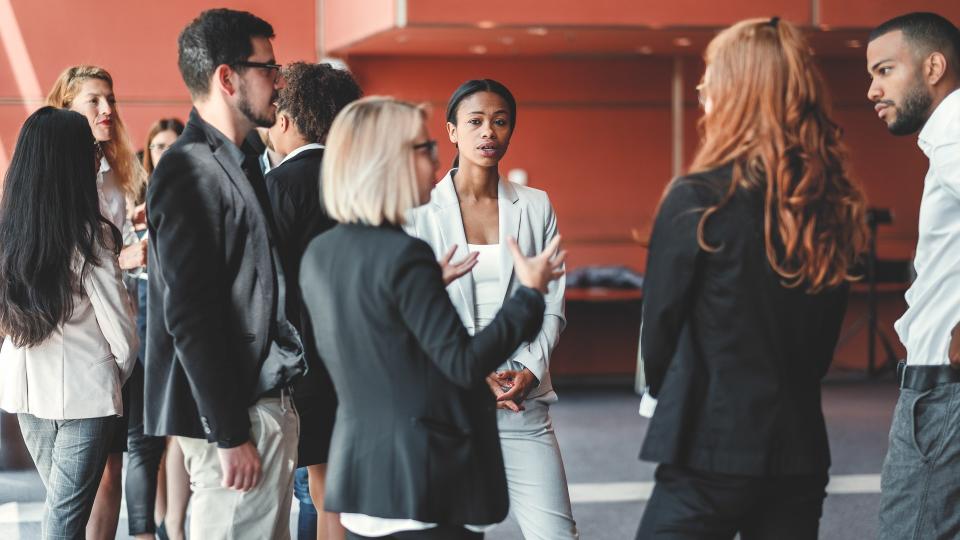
(78, 371)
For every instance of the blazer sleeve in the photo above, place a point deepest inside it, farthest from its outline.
(428, 313)
(668, 283)
(184, 211)
(103, 284)
(535, 356)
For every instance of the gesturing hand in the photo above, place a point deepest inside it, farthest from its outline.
(520, 383)
(139, 217)
(537, 272)
(454, 271)
(240, 466)
(500, 383)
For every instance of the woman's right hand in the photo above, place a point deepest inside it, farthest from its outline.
(537, 272)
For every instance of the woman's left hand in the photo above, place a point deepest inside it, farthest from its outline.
(520, 383)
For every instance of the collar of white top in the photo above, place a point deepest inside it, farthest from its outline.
(943, 116)
(304, 148)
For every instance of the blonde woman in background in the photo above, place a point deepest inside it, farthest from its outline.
(88, 90)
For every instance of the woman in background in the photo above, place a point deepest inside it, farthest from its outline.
(88, 90)
(744, 295)
(472, 209)
(170, 480)
(69, 336)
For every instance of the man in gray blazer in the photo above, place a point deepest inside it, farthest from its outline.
(219, 350)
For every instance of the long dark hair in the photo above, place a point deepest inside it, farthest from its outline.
(49, 216)
(471, 87)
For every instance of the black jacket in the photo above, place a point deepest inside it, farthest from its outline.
(416, 429)
(734, 357)
(212, 290)
(299, 216)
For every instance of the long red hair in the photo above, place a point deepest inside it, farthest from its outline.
(769, 119)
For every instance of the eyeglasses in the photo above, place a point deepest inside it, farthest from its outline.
(262, 65)
(430, 146)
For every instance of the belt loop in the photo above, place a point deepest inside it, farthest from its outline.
(283, 399)
(901, 373)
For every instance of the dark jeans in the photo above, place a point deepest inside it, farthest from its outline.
(307, 521)
(144, 452)
(695, 505)
(70, 456)
(143, 462)
(443, 532)
(919, 489)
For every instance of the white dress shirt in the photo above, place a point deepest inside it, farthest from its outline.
(304, 148)
(934, 298)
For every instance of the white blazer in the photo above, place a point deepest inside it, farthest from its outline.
(525, 214)
(78, 370)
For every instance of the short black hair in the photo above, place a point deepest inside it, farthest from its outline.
(217, 36)
(926, 33)
(314, 94)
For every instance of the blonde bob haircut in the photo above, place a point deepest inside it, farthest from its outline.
(369, 175)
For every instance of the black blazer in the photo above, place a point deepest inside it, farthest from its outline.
(211, 290)
(416, 429)
(734, 357)
(299, 216)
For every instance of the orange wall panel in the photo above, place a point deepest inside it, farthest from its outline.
(347, 21)
(602, 12)
(136, 42)
(870, 13)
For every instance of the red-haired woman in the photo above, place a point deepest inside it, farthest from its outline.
(745, 291)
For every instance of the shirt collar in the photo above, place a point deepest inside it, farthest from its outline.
(943, 116)
(304, 148)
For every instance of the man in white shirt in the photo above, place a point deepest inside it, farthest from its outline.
(914, 61)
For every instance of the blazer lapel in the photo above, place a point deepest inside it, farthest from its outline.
(450, 223)
(510, 215)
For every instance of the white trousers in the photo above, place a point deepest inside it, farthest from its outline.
(536, 480)
(263, 513)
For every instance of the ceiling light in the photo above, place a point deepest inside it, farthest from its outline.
(537, 31)
(478, 49)
(853, 43)
(682, 42)
(486, 24)
(644, 49)
(507, 40)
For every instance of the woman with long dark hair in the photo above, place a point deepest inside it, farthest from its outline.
(70, 340)
(474, 210)
(745, 291)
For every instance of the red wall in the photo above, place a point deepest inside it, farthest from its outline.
(136, 42)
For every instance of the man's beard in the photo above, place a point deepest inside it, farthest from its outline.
(912, 115)
(258, 119)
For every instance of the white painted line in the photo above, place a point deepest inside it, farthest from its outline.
(584, 493)
(842, 484)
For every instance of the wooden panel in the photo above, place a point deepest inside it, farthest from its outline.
(603, 12)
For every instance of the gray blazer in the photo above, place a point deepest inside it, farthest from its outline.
(525, 214)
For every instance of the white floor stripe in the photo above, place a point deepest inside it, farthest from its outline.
(843, 484)
(601, 492)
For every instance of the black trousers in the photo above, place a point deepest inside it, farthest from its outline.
(696, 505)
(441, 532)
(143, 461)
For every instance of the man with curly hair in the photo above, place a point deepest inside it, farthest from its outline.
(306, 107)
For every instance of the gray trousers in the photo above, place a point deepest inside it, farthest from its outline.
(536, 480)
(920, 496)
(70, 456)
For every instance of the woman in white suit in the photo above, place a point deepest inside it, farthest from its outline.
(69, 333)
(473, 210)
